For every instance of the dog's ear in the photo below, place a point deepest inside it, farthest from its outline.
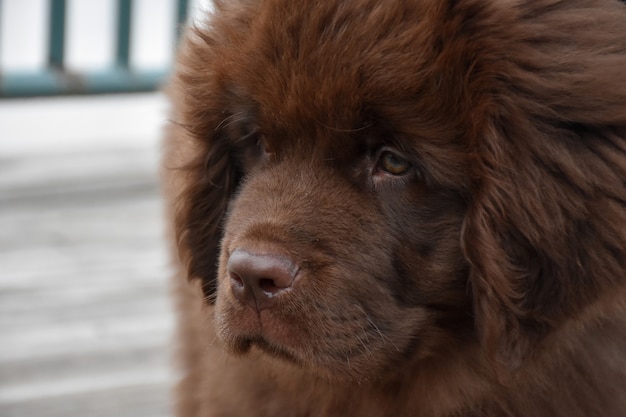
(200, 175)
(211, 181)
(544, 229)
(198, 181)
(508, 225)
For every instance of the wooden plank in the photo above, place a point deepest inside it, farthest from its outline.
(130, 401)
(85, 317)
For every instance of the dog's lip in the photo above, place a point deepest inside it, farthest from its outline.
(243, 344)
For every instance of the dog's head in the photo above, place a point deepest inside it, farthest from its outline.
(403, 180)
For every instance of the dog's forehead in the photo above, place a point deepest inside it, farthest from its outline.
(312, 65)
(296, 139)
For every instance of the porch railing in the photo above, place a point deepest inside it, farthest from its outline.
(56, 78)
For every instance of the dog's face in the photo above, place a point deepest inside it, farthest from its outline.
(348, 196)
(373, 180)
(368, 240)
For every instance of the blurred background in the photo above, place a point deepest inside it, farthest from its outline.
(85, 318)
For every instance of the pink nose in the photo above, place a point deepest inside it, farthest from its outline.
(259, 280)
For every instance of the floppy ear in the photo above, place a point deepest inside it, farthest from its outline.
(507, 218)
(211, 180)
(544, 233)
(200, 176)
(198, 181)
(544, 230)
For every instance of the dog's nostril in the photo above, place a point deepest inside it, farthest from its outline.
(257, 280)
(236, 280)
(269, 286)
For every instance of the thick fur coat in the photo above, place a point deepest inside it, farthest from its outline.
(401, 208)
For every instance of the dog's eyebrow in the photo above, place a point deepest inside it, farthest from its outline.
(336, 129)
(231, 119)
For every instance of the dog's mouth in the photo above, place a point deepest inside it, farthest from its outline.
(356, 362)
(325, 339)
(242, 331)
(242, 345)
(330, 369)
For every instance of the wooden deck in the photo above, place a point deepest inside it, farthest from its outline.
(85, 318)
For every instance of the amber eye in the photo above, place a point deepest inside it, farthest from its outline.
(393, 164)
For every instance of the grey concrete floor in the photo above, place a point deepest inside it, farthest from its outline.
(85, 317)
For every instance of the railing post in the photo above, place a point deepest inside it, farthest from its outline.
(56, 45)
(181, 14)
(122, 53)
(55, 79)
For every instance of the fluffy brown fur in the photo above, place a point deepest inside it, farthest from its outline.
(446, 177)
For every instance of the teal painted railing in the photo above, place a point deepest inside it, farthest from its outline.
(56, 79)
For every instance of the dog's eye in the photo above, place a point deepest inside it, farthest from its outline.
(393, 164)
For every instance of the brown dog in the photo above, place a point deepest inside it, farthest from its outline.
(401, 208)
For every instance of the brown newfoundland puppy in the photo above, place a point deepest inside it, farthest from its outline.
(401, 208)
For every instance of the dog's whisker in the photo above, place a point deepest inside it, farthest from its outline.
(227, 121)
(373, 324)
(364, 345)
(233, 121)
